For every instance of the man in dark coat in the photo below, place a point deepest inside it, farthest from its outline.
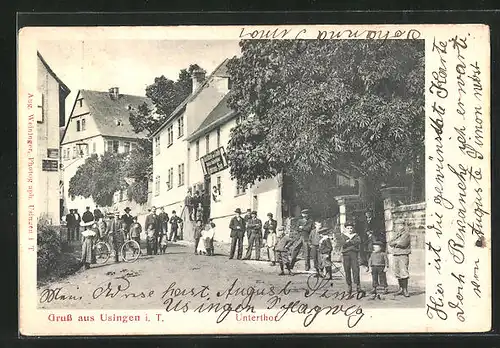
(70, 224)
(175, 223)
(254, 231)
(152, 219)
(117, 234)
(237, 227)
(98, 214)
(304, 227)
(205, 204)
(163, 218)
(127, 220)
(188, 203)
(87, 216)
(78, 220)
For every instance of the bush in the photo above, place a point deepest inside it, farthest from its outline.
(49, 248)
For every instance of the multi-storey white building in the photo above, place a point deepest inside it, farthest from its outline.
(98, 122)
(51, 95)
(189, 154)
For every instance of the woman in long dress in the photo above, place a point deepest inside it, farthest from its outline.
(88, 245)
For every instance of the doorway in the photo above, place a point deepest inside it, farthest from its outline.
(206, 198)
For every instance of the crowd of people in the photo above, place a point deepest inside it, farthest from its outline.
(360, 245)
(357, 248)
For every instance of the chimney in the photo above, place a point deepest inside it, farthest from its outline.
(198, 77)
(114, 93)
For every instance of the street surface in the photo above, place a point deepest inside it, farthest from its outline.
(179, 274)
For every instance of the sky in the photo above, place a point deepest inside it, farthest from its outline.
(130, 65)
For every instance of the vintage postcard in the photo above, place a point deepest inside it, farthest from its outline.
(254, 179)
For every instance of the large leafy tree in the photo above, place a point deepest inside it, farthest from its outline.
(99, 177)
(321, 107)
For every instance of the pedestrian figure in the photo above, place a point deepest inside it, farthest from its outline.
(197, 235)
(325, 253)
(127, 220)
(117, 234)
(77, 220)
(152, 219)
(135, 230)
(175, 221)
(205, 202)
(254, 230)
(87, 245)
(87, 215)
(350, 242)
(314, 239)
(270, 238)
(304, 226)
(163, 220)
(97, 214)
(379, 264)
(188, 203)
(248, 216)
(70, 224)
(282, 251)
(401, 250)
(368, 247)
(101, 225)
(237, 227)
(199, 212)
(151, 239)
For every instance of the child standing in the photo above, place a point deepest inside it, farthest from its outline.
(325, 252)
(135, 230)
(379, 264)
(282, 251)
(209, 239)
(151, 239)
(197, 235)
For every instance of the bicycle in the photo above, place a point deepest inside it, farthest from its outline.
(130, 251)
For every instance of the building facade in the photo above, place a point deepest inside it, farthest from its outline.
(193, 136)
(50, 113)
(98, 122)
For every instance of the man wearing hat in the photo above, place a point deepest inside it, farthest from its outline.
(237, 227)
(117, 234)
(350, 242)
(152, 219)
(304, 226)
(70, 225)
(254, 231)
(248, 216)
(127, 220)
(87, 215)
(325, 252)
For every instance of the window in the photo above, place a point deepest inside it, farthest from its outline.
(180, 126)
(80, 102)
(170, 178)
(181, 174)
(157, 145)
(198, 149)
(240, 190)
(74, 152)
(126, 146)
(83, 124)
(65, 153)
(207, 143)
(78, 126)
(157, 185)
(112, 146)
(170, 135)
(116, 145)
(229, 83)
(132, 145)
(94, 147)
(218, 137)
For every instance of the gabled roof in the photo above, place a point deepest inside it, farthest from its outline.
(107, 112)
(51, 72)
(220, 114)
(220, 71)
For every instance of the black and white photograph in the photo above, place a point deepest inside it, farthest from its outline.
(246, 180)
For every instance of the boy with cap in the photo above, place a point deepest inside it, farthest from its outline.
(304, 227)
(314, 239)
(270, 238)
(325, 252)
(379, 263)
(350, 242)
(282, 251)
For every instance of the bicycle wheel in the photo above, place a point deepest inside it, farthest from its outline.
(131, 250)
(102, 252)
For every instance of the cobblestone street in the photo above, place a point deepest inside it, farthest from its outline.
(146, 283)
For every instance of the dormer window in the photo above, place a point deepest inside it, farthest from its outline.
(118, 122)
